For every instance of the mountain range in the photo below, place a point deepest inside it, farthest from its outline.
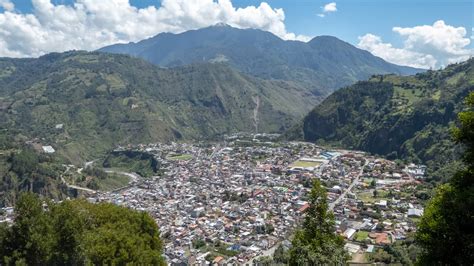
(321, 65)
(102, 100)
(194, 85)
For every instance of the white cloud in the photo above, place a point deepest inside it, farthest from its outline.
(331, 7)
(427, 46)
(327, 8)
(374, 44)
(91, 24)
(7, 5)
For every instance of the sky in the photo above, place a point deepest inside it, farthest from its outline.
(418, 33)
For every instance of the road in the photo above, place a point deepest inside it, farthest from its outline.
(81, 188)
(133, 176)
(74, 186)
(352, 185)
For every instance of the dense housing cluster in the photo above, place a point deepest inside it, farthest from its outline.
(237, 200)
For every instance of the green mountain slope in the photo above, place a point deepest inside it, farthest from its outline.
(401, 117)
(323, 65)
(24, 169)
(103, 100)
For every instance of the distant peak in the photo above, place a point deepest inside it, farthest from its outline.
(222, 24)
(326, 38)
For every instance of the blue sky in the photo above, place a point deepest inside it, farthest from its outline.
(353, 18)
(368, 24)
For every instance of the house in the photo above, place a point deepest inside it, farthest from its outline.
(48, 149)
(370, 248)
(219, 260)
(415, 212)
(303, 208)
(382, 204)
(349, 233)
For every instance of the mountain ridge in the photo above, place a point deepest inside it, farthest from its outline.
(106, 99)
(400, 117)
(315, 64)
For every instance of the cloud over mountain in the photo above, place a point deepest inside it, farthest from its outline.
(89, 24)
(428, 46)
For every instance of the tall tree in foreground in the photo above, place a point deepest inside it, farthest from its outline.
(316, 243)
(446, 230)
(77, 232)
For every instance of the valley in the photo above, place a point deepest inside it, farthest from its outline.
(234, 200)
(232, 144)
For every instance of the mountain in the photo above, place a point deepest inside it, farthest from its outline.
(400, 117)
(83, 104)
(323, 65)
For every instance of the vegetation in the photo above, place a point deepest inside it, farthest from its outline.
(445, 231)
(281, 255)
(183, 157)
(400, 117)
(316, 243)
(141, 163)
(104, 100)
(404, 252)
(24, 169)
(321, 65)
(79, 233)
(305, 164)
(98, 179)
(85, 104)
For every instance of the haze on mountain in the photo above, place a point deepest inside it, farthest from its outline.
(322, 65)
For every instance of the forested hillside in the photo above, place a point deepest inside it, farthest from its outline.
(400, 117)
(86, 103)
(321, 65)
(24, 169)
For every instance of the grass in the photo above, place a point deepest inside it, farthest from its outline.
(305, 164)
(367, 180)
(113, 181)
(436, 96)
(361, 236)
(407, 97)
(181, 157)
(368, 197)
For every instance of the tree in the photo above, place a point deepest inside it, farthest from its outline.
(29, 238)
(316, 243)
(373, 183)
(280, 255)
(264, 261)
(77, 232)
(24, 162)
(446, 230)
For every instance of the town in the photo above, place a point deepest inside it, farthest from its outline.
(235, 201)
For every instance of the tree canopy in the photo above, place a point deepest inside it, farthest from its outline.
(76, 232)
(446, 230)
(316, 243)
